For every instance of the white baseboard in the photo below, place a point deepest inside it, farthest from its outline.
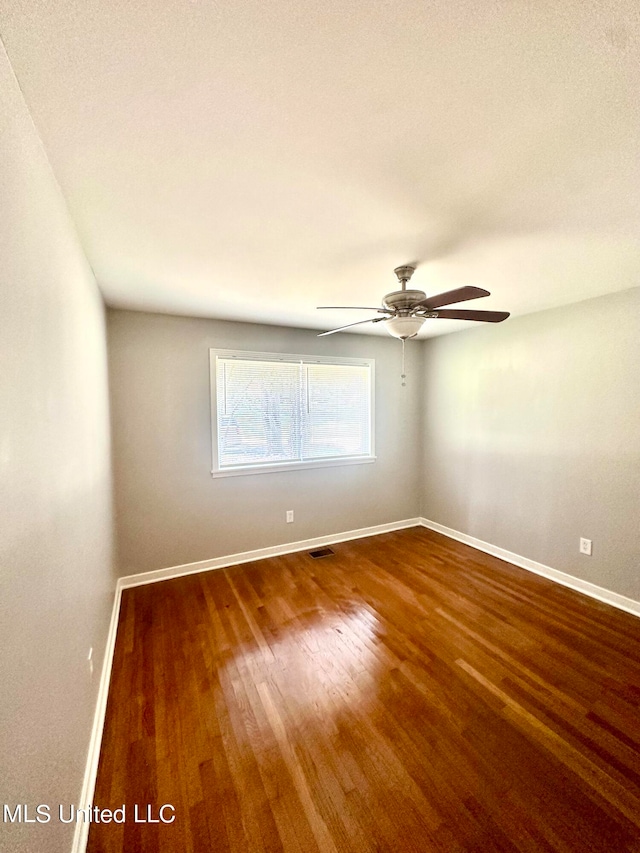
(263, 553)
(590, 589)
(81, 833)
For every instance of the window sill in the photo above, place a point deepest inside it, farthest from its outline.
(292, 466)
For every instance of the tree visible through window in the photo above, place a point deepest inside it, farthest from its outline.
(289, 411)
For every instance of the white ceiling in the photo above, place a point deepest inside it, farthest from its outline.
(251, 160)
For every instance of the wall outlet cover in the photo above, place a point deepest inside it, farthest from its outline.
(585, 546)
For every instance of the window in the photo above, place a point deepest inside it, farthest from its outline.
(276, 412)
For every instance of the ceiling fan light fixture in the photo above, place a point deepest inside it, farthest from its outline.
(404, 327)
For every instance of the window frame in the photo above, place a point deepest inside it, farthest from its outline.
(291, 358)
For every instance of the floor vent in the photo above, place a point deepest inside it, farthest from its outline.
(321, 552)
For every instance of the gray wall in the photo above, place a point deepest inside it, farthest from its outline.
(525, 435)
(56, 576)
(531, 436)
(171, 511)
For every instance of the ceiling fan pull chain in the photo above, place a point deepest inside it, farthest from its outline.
(403, 375)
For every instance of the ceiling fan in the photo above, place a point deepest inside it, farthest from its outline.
(406, 310)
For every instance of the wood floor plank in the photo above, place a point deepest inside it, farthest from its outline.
(408, 693)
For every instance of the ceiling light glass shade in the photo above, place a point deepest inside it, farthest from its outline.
(404, 327)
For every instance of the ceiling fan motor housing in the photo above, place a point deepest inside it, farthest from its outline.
(403, 300)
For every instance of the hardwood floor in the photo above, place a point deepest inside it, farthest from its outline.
(407, 694)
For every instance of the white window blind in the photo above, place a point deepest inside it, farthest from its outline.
(271, 411)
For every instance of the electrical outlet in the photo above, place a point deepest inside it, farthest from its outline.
(585, 546)
(289, 516)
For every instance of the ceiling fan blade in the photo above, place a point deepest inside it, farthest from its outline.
(370, 320)
(461, 314)
(461, 294)
(349, 308)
